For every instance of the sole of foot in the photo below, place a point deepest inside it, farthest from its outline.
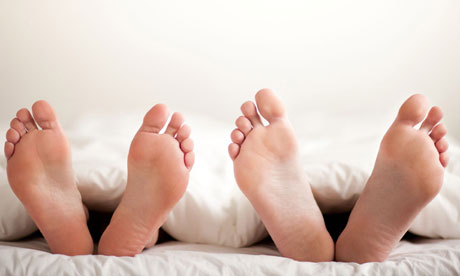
(408, 174)
(158, 173)
(267, 170)
(40, 173)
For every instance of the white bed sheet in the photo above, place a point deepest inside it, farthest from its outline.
(415, 257)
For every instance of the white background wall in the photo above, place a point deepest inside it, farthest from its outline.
(208, 56)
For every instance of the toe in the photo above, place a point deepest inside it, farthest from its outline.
(442, 145)
(438, 132)
(183, 133)
(250, 111)
(9, 150)
(155, 119)
(12, 136)
(44, 115)
(18, 126)
(444, 159)
(187, 145)
(233, 150)
(26, 118)
(413, 110)
(244, 125)
(270, 107)
(434, 116)
(177, 120)
(189, 159)
(237, 136)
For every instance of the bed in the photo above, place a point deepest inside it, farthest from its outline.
(339, 66)
(417, 256)
(214, 230)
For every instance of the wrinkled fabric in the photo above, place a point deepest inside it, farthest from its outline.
(213, 209)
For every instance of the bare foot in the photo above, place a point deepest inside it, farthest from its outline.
(40, 174)
(408, 174)
(158, 172)
(267, 170)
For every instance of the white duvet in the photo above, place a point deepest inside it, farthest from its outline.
(213, 211)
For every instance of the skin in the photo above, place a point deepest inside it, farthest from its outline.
(158, 173)
(407, 175)
(268, 171)
(40, 173)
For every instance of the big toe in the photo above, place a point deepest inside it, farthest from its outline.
(155, 119)
(269, 105)
(44, 115)
(413, 110)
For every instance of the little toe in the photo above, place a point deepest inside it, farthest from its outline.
(250, 111)
(270, 107)
(237, 136)
(187, 145)
(442, 145)
(413, 110)
(177, 120)
(438, 132)
(233, 150)
(155, 119)
(444, 159)
(244, 125)
(183, 133)
(26, 118)
(9, 150)
(18, 126)
(434, 116)
(44, 115)
(12, 136)
(189, 159)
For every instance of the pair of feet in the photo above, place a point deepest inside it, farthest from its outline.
(40, 173)
(408, 173)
